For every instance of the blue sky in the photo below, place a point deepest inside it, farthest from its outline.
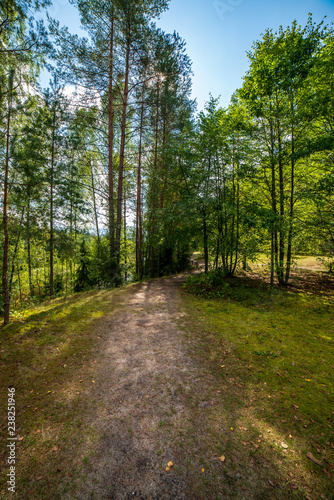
(218, 34)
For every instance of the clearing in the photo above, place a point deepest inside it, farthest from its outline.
(112, 386)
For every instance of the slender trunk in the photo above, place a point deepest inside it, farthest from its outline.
(162, 166)
(139, 230)
(5, 207)
(111, 146)
(274, 247)
(237, 231)
(289, 249)
(154, 184)
(31, 289)
(205, 241)
(19, 280)
(230, 270)
(125, 243)
(51, 203)
(95, 210)
(217, 252)
(122, 149)
(280, 270)
(15, 252)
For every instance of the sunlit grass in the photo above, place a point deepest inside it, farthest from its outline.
(47, 354)
(272, 353)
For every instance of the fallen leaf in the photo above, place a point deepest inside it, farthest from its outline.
(222, 458)
(37, 432)
(20, 438)
(55, 448)
(39, 478)
(244, 443)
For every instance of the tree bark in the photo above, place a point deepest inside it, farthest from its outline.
(125, 243)
(155, 170)
(52, 202)
(289, 248)
(15, 253)
(111, 145)
(95, 211)
(205, 242)
(280, 269)
(139, 230)
(5, 207)
(274, 247)
(31, 289)
(122, 148)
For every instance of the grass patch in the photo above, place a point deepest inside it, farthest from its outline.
(48, 356)
(271, 352)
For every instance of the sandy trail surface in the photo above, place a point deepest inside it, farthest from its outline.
(144, 378)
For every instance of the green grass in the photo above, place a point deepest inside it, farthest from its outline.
(48, 355)
(272, 353)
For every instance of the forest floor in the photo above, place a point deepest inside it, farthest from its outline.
(112, 386)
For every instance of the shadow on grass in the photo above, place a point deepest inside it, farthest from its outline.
(270, 353)
(48, 357)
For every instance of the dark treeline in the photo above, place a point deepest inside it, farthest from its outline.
(119, 180)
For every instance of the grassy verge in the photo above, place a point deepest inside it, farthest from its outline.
(49, 356)
(271, 355)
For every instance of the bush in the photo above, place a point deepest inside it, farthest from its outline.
(210, 285)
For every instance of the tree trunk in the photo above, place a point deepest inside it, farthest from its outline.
(139, 229)
(51, 202)
(122, 148)
(125, 243)
(5, 207)
(280, 269)
(15, 253)
(111, 146)
(31, 289)
(155, 170)
(274, 247)
(289, 248)
(95, 210)
(205, 242)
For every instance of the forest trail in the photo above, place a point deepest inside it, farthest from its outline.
(144, 379)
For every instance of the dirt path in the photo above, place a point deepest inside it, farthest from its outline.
(143, 381)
